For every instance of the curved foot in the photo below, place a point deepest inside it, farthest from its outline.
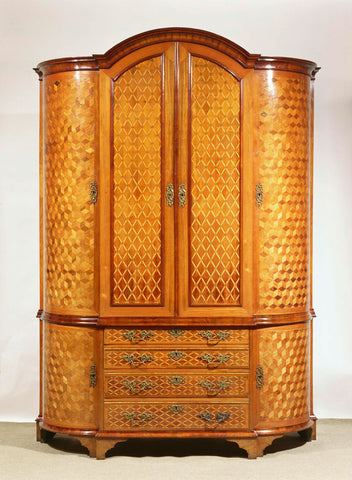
(255, 446)
(44, 436)
(88, 442)
(105, 444)
(97, 447)
(306, 435)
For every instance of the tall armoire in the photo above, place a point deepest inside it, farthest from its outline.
(176, 243)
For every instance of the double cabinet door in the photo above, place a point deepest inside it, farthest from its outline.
(175, 200)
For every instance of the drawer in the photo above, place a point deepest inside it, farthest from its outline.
(157, 416)
(176, 336)
(180, 385)
(179, 358)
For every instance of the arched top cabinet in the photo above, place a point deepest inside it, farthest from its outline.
(176, 175)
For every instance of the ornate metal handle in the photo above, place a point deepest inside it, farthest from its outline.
(212, 338)
(143, 335)
(176, 409)
(93, 193)
(132, 385)
(170, 195)
(93, 376)
(176, 355)
(259, 376)
(259, 195)
(133, 417)
(215, 388)
(209, 417)
(132, 359)
(182, 195)
(176, 380)
(220, 358)
(176, 332)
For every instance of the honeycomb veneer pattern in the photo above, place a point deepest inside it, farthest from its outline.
(284, 356)
(68, 396)
(70, 136)
(283, 158)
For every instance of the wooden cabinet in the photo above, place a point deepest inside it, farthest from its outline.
(176, 211)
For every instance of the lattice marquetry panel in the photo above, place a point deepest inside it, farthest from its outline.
(284, 356)
(181, 358)
(283, 157)
(70, 138)
(215, 184)
(68, 396)
(158, 417)
(211, 337)
(137, 228)
(153, 385)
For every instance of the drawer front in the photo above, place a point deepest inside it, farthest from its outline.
(156, 416)
(176, 336)
(180, 358)
(180, 385)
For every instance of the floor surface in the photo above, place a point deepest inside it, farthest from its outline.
(329, 457)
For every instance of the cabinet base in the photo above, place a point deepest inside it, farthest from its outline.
(98, 445)
(255, 446)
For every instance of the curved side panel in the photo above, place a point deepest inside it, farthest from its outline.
(283, 384)
(70, 146)
(282, 152)
(69, 400)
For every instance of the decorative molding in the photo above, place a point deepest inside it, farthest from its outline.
(176, 34)
(70, 320)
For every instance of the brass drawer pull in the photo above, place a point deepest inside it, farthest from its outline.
(132, 359)
(209, 417)
(215, 388)
(214, 338)
(176, 355)
(176, 332)
(182, 195)
(133, 388)
(143, 417)
(170, 195)
(176, 380)
(176, 409)
(143, 335)
(214, 362)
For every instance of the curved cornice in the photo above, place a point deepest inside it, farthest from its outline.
(189, 35)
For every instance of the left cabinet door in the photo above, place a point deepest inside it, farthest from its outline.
(136, 172)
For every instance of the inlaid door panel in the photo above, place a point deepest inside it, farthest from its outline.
(139, 221)
(211, 228)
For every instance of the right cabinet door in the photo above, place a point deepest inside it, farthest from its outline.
(283, 391)
(214, 228)
(282, 155)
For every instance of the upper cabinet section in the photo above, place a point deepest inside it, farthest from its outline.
(70, 139)
(201, 157)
